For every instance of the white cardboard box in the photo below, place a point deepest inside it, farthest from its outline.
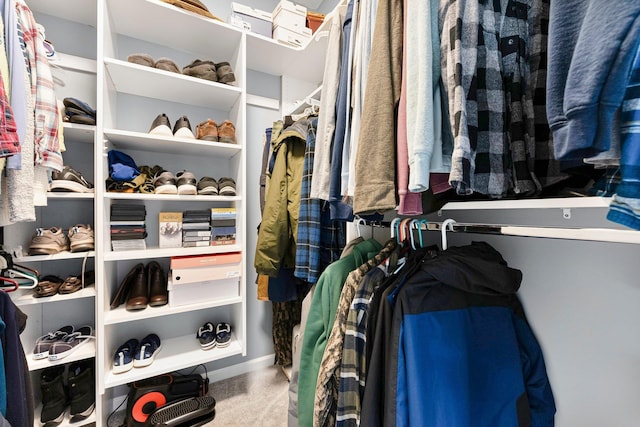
(289, 15)
(203, 274)
(292, 38)
(254, 20)
(194, 293)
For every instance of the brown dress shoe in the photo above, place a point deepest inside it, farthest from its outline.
(158, 294)
(227, 132)
(125, 286)
(139, 291)
(207, 131)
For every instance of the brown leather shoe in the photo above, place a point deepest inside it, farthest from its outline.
(227, 132)
(207, 131)
(123, 290)
(158, 294)
(139, 291)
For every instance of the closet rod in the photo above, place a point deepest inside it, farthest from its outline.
(588, 234)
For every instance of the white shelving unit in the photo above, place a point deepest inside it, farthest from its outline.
(127, 98)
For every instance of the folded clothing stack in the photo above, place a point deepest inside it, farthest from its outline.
(77, 111)
(196, 228)
(127, 222)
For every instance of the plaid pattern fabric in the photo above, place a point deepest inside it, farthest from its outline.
(326, 398)
(320, 240)
(625, 206)
(494, 73)
(9, 141)
(47, 148)
(353, 364)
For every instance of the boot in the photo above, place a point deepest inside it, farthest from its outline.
(54, 395)
(82, 389)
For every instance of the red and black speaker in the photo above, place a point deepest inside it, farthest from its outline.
(147, 395)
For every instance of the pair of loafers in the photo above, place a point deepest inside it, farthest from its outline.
(142, 286)
(50, 285)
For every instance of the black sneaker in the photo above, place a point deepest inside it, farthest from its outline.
(207, 186)
(161, 126)
(70, 179)
(186, 182)
(165, 183)
(82, 389)
(54, 395)
(182, 128)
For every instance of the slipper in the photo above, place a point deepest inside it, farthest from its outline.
(201, 69)
(225, 73)
(47, 286)
(167, 64)
(141, 59)
(80, 105)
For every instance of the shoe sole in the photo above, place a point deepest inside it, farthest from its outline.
(184, 133)
(187, 189)
(54, 421)
(40, 356)
(166, 189)
(45, 250)
(223, 344)
(121, 369)
(58, 356)
(162, 130)
(208, 191)
(146, 362)
(208, 346)
(227, 191)
(227, 139)
(84, 245)
(208, 138)
(75, 187)
(83, 414)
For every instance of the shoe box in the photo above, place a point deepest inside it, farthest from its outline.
(254, 20)
(196, 277)
(290, 24)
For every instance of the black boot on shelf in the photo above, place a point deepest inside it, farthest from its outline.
(54, 396)
(82, 389)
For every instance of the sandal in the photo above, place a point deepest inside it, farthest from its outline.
(47, 286)
(74, 283)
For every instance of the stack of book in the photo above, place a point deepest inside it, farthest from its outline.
(223, 226)
(128, 229)
(196, 228)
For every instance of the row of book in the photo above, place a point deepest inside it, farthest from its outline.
(204, 227)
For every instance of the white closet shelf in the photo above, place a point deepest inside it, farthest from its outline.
(28, 299)
(87, 351)
(302, 104)
(176, 353)
(168, 252)
(81, 11)
(79, 133)
(129, 140)
(68, 195)
(165, 25)
(268, 56)
(140, 80)
(121, 315)
(187, 198)
(66, 422)
(55, 257)
(74, 63)
(549, 203)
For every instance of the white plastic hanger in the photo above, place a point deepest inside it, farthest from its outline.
(443, 229)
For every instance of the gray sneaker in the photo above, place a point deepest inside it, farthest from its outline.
(81, 238)
(48, 241)
(165, 183)
(69, 179)
(186, 182)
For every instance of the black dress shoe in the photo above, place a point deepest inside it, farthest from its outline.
(139, 290)
(157, 285)
(123, 290)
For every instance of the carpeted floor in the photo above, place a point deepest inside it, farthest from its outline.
(256, 399)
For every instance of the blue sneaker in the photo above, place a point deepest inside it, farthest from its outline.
(206, 336)
(123, 359)
(223, 335)
(147, 350)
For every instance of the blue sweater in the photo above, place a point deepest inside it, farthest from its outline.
(591, 48)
